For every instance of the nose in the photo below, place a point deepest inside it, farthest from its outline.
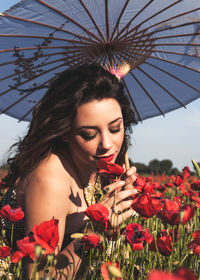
(105, 141)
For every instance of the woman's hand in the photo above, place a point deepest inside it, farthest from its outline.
(130, 177)
(118, 198)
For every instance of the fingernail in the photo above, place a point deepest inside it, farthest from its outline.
(135, 191)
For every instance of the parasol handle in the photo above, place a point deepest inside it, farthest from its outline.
(127, 164)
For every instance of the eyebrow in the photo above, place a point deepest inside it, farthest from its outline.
(94, 127)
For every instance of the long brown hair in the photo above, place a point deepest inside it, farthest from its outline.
(53, 116)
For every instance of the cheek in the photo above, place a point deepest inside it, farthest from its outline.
(83, 146)
(121, 139)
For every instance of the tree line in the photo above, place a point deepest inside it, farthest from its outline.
(156, 166)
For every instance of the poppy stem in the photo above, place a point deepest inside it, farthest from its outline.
(158, 254)
(12, 233)
(127, 164)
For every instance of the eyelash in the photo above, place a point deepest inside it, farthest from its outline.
(89, 138)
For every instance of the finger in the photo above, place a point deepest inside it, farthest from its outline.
(130, 176)
(131, 170)
(118, 219)
(114, 186)
(124, 194)
(120, 207)
(111, 201)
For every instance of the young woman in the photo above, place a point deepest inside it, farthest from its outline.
(84, 117)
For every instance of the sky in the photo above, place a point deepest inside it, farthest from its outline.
(175, 136)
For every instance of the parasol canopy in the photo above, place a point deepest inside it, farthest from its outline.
(152, 45)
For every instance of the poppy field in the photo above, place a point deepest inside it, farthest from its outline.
(161, 241)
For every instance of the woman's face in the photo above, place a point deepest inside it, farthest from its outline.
(98, 131)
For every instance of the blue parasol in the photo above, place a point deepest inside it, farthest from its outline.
(156, 43)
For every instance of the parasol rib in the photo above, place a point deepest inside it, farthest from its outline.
(133, 103)
(147, 93)
(161, 86)
(107, 22)
(169, 27)
(130, 38)
(176, 53)
(44, 72)
(36, 76)
(173, 76)
(169, 19)
(128, 24)
(179, 44)
(70, 19)
(29, 93)
(119, 18)
(92, 19)
(27, 113)
(36, 67)
(42, 37)
(42, 47)
(159, 23)
(50, 26)
(147, 19)
(41, 56)
(175, 63)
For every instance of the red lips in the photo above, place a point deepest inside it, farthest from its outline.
(107, 159)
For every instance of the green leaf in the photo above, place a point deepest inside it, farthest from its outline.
(196, 167)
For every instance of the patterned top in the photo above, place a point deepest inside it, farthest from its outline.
(18, 229)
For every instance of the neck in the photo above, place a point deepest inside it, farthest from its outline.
(84, 175)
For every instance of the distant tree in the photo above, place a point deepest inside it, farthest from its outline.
(142, 168)
(154, 166)
(174, 171)
(165, 166)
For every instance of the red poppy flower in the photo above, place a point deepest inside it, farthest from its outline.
(146, 205)
(46, 234)
(144, 185)
(98, 213)
(164, 244)
(196, 185)
(194, 245)
(25, 248)
(91, 240)
(4, 251)
(136, 236)
(164, 275)
(186, 169)
(194, 196)
(185, 274)
(105, 272)
(139, 183)
(16, 256)
(186, 213)
(178, 180)
(169, 212)
(180, 274)
(109, 168)
(12, 215)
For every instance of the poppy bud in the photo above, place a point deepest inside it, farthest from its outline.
(196, 167)
(77, 235)
(114, 271)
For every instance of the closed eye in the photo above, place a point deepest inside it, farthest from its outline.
(115, 130)
(88, 137)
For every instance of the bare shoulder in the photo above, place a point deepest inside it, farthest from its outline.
(49, 182)
(50, 174)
